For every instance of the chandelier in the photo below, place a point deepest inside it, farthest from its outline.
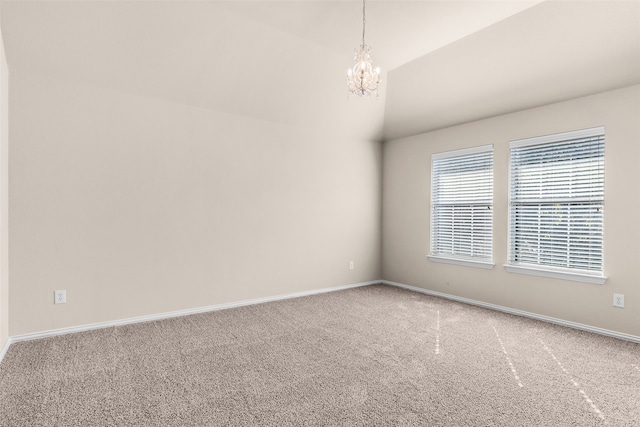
(363, 79)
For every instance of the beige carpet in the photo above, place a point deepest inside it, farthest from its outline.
(368, 356)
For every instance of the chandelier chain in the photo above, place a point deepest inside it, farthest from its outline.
(364, 21)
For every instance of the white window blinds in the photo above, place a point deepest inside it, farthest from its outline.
(556, 201)
(462, 203)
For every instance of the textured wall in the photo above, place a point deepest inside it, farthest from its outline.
(137, 206)
(406, 205)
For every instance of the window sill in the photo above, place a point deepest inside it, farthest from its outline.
(458, 261)
(556, 274)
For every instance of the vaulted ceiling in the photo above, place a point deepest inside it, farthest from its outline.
(549, 53)
(444, 62)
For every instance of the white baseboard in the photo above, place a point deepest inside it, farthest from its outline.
(179, 313)
(5, 348)
(522, 313)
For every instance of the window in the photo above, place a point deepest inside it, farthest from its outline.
(556, 203)
(462, 203)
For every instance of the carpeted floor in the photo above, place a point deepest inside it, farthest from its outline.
(368, 356)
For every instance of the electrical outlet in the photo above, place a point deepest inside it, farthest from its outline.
(351, 265)
(618, 300)
(59, 297)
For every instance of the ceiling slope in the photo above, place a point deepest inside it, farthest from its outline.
(280, 61)
(196, 53)
(398, 31)
(551, 52)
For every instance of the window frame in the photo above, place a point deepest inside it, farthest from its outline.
(470, 261)
(565, 273)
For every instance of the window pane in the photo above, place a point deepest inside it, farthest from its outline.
(462, 199)
(557, 200)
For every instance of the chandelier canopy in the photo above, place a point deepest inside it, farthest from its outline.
(362, 78)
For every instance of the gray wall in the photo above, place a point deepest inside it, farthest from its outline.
(138, 206)
(4, 199)
(406, 206)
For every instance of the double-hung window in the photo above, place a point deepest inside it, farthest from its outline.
(462, 207)
(556, 205)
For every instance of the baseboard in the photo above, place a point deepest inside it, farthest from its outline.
(178, 313)
(216, 307)
(522, 313)
(5, 348)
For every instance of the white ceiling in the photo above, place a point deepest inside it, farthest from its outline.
(549, 53)
(399, 31)
(285, 61)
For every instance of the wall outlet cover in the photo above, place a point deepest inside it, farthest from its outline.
(618, 300)
(59, 297)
